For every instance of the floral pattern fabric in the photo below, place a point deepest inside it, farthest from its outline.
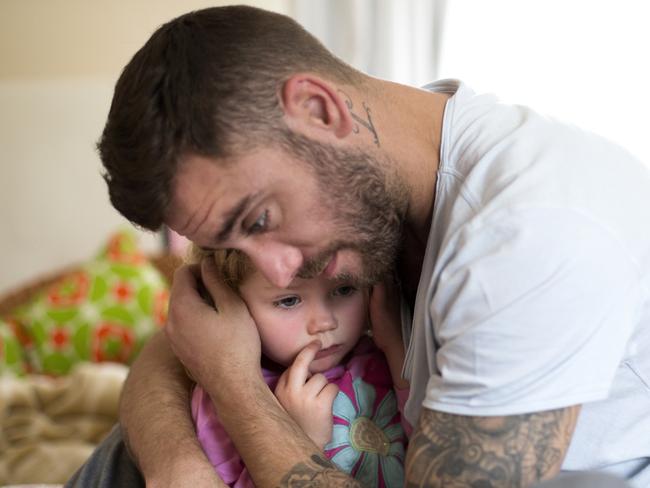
(12, 359)
(368, 440)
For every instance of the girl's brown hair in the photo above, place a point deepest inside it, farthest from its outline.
(232, 265)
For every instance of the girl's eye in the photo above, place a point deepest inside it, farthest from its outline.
(344, 291)
(288, 302)
(260, 224)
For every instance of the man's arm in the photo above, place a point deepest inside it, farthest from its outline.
(156, 421)
(512, 451)
(386, 326)
(274, 448)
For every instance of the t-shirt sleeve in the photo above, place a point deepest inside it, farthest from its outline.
(532, 310)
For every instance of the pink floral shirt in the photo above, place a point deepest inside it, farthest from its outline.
(368, 438)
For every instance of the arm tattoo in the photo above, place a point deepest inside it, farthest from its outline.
(318, 472)
(488, 452)
(366, 123)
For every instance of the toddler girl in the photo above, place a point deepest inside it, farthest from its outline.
(349, 399)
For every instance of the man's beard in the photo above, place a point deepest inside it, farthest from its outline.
(368, 207)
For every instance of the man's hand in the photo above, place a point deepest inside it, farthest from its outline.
(308, 399)
(385, 320)
(386, 324)
(218, 347)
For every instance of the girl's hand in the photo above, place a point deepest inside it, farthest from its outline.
(308, 399)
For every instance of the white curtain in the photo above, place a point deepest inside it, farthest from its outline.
(397, 40)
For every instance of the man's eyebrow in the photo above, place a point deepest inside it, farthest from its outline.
(231, 217)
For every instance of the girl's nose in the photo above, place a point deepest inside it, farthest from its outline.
(321, 320)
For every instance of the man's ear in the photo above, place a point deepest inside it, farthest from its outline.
(314, 107)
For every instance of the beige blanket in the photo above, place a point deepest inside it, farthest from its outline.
(49, 426)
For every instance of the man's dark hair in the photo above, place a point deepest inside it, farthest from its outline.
(206, 83)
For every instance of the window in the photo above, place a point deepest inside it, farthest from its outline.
(582, 61)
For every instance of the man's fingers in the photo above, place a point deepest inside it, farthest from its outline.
(183, 297)
(184, 285)
(384, 298)
(219, 291)
(378, 294)
(379, 290)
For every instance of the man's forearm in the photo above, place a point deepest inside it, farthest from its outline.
(156, 419)
(274, 448)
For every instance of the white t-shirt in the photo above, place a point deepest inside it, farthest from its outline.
(535, 287)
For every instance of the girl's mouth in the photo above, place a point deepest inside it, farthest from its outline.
(327, 352)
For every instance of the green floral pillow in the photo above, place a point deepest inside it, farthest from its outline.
(12, 357)
(104, 311)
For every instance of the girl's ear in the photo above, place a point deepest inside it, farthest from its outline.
(315, 108)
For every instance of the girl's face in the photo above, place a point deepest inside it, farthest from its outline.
(334, 312)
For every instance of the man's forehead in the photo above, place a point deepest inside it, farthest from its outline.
(208, 199)
(216, 192)
(195, 171)
(198, 193)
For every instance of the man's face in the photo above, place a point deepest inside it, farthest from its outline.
(335, 214)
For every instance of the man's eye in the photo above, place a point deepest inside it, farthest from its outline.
(344, 291)
(260, 224)
(287, 302)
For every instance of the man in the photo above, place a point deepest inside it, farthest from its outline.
(521, 244)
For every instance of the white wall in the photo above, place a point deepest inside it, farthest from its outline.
(59, 60)
(53, 203)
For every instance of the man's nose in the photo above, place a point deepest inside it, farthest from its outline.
(279, 263)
